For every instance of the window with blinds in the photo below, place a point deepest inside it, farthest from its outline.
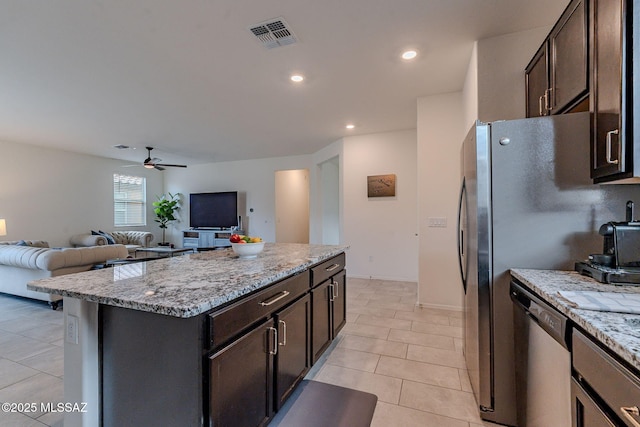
(129, 200)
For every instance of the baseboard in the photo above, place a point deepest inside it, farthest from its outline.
(440, 306)
(390, 279)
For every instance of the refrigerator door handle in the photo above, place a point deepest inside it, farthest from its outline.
(460, 231)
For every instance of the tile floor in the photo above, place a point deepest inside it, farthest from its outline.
(31, 360)
(410, 357)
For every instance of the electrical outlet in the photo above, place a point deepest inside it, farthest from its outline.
(71, 335)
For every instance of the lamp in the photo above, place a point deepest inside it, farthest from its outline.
(3, 227)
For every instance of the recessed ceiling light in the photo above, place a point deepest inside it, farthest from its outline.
(409, 54)
(350, 126)
(297, 78)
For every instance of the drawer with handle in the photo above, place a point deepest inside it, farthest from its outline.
(232, 320)
(328, 268)
(614, 383)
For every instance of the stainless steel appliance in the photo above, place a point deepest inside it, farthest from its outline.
(526, 201)
(619, 261)
(543, 361)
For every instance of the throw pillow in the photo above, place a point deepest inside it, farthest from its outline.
(109, 237)
(22, 243)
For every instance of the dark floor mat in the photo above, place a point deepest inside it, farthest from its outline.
(316, 404)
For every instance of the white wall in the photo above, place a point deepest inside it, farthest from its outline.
(381, 231)
(470, 90)
(370, 226)
(330, 201)
(493, 90)
(440, 134)
(318, 226)
(52, 194)
(254, 178)
(501, 64)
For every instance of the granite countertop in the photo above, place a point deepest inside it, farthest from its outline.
(619, 332)
(187, 285)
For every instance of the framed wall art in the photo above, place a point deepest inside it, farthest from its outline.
(381, 185)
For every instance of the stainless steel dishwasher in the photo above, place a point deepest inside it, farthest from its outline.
(543, 361)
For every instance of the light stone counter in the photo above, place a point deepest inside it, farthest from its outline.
(188, 285)
(617, 331)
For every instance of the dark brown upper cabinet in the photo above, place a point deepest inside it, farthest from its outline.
(557, 78)
(611, 95)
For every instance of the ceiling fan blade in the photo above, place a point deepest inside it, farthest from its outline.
(153, 162)
(170, 166)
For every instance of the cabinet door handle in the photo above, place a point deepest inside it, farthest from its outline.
(332, 267)
(284, 332)
(609, 143)
(628, 412)
(274, 299)
(540, 106)
(334, 291)
(274, 351)
(547, 102)
(331, 291)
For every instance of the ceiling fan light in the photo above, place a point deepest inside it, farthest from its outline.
(148, 166)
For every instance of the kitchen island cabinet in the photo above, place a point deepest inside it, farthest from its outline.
(328, 297)
(205, 339)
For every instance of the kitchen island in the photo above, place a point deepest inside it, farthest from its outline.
(198, 339)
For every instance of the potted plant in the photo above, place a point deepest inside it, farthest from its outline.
(165, 209)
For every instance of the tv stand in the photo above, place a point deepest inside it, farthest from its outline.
(207, 238)
(212, 229)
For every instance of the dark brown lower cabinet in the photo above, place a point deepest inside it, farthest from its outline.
(586, 412)
(241, 379)
(321, 323)
(339, 303)
(329, 312)
(293, 359)
(252, 378)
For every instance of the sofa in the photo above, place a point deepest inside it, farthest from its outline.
(131, 239)
(24, 261)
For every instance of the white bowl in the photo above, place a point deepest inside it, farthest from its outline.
(247, 250)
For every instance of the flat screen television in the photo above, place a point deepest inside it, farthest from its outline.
(213, 210)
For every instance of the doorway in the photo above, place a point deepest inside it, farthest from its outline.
(292, 206)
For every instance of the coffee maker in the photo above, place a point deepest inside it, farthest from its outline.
(619, 261)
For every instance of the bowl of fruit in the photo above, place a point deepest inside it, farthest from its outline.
(246, 246)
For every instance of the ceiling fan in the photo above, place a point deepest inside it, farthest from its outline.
(151, 163)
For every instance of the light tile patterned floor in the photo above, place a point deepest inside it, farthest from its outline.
(411, 358)
(31, 360)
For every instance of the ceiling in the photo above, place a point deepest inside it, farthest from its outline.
(189, 78)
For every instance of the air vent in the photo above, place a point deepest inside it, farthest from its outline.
(121, 147)
(273, 33)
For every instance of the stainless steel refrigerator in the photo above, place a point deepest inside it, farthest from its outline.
(526, 201)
